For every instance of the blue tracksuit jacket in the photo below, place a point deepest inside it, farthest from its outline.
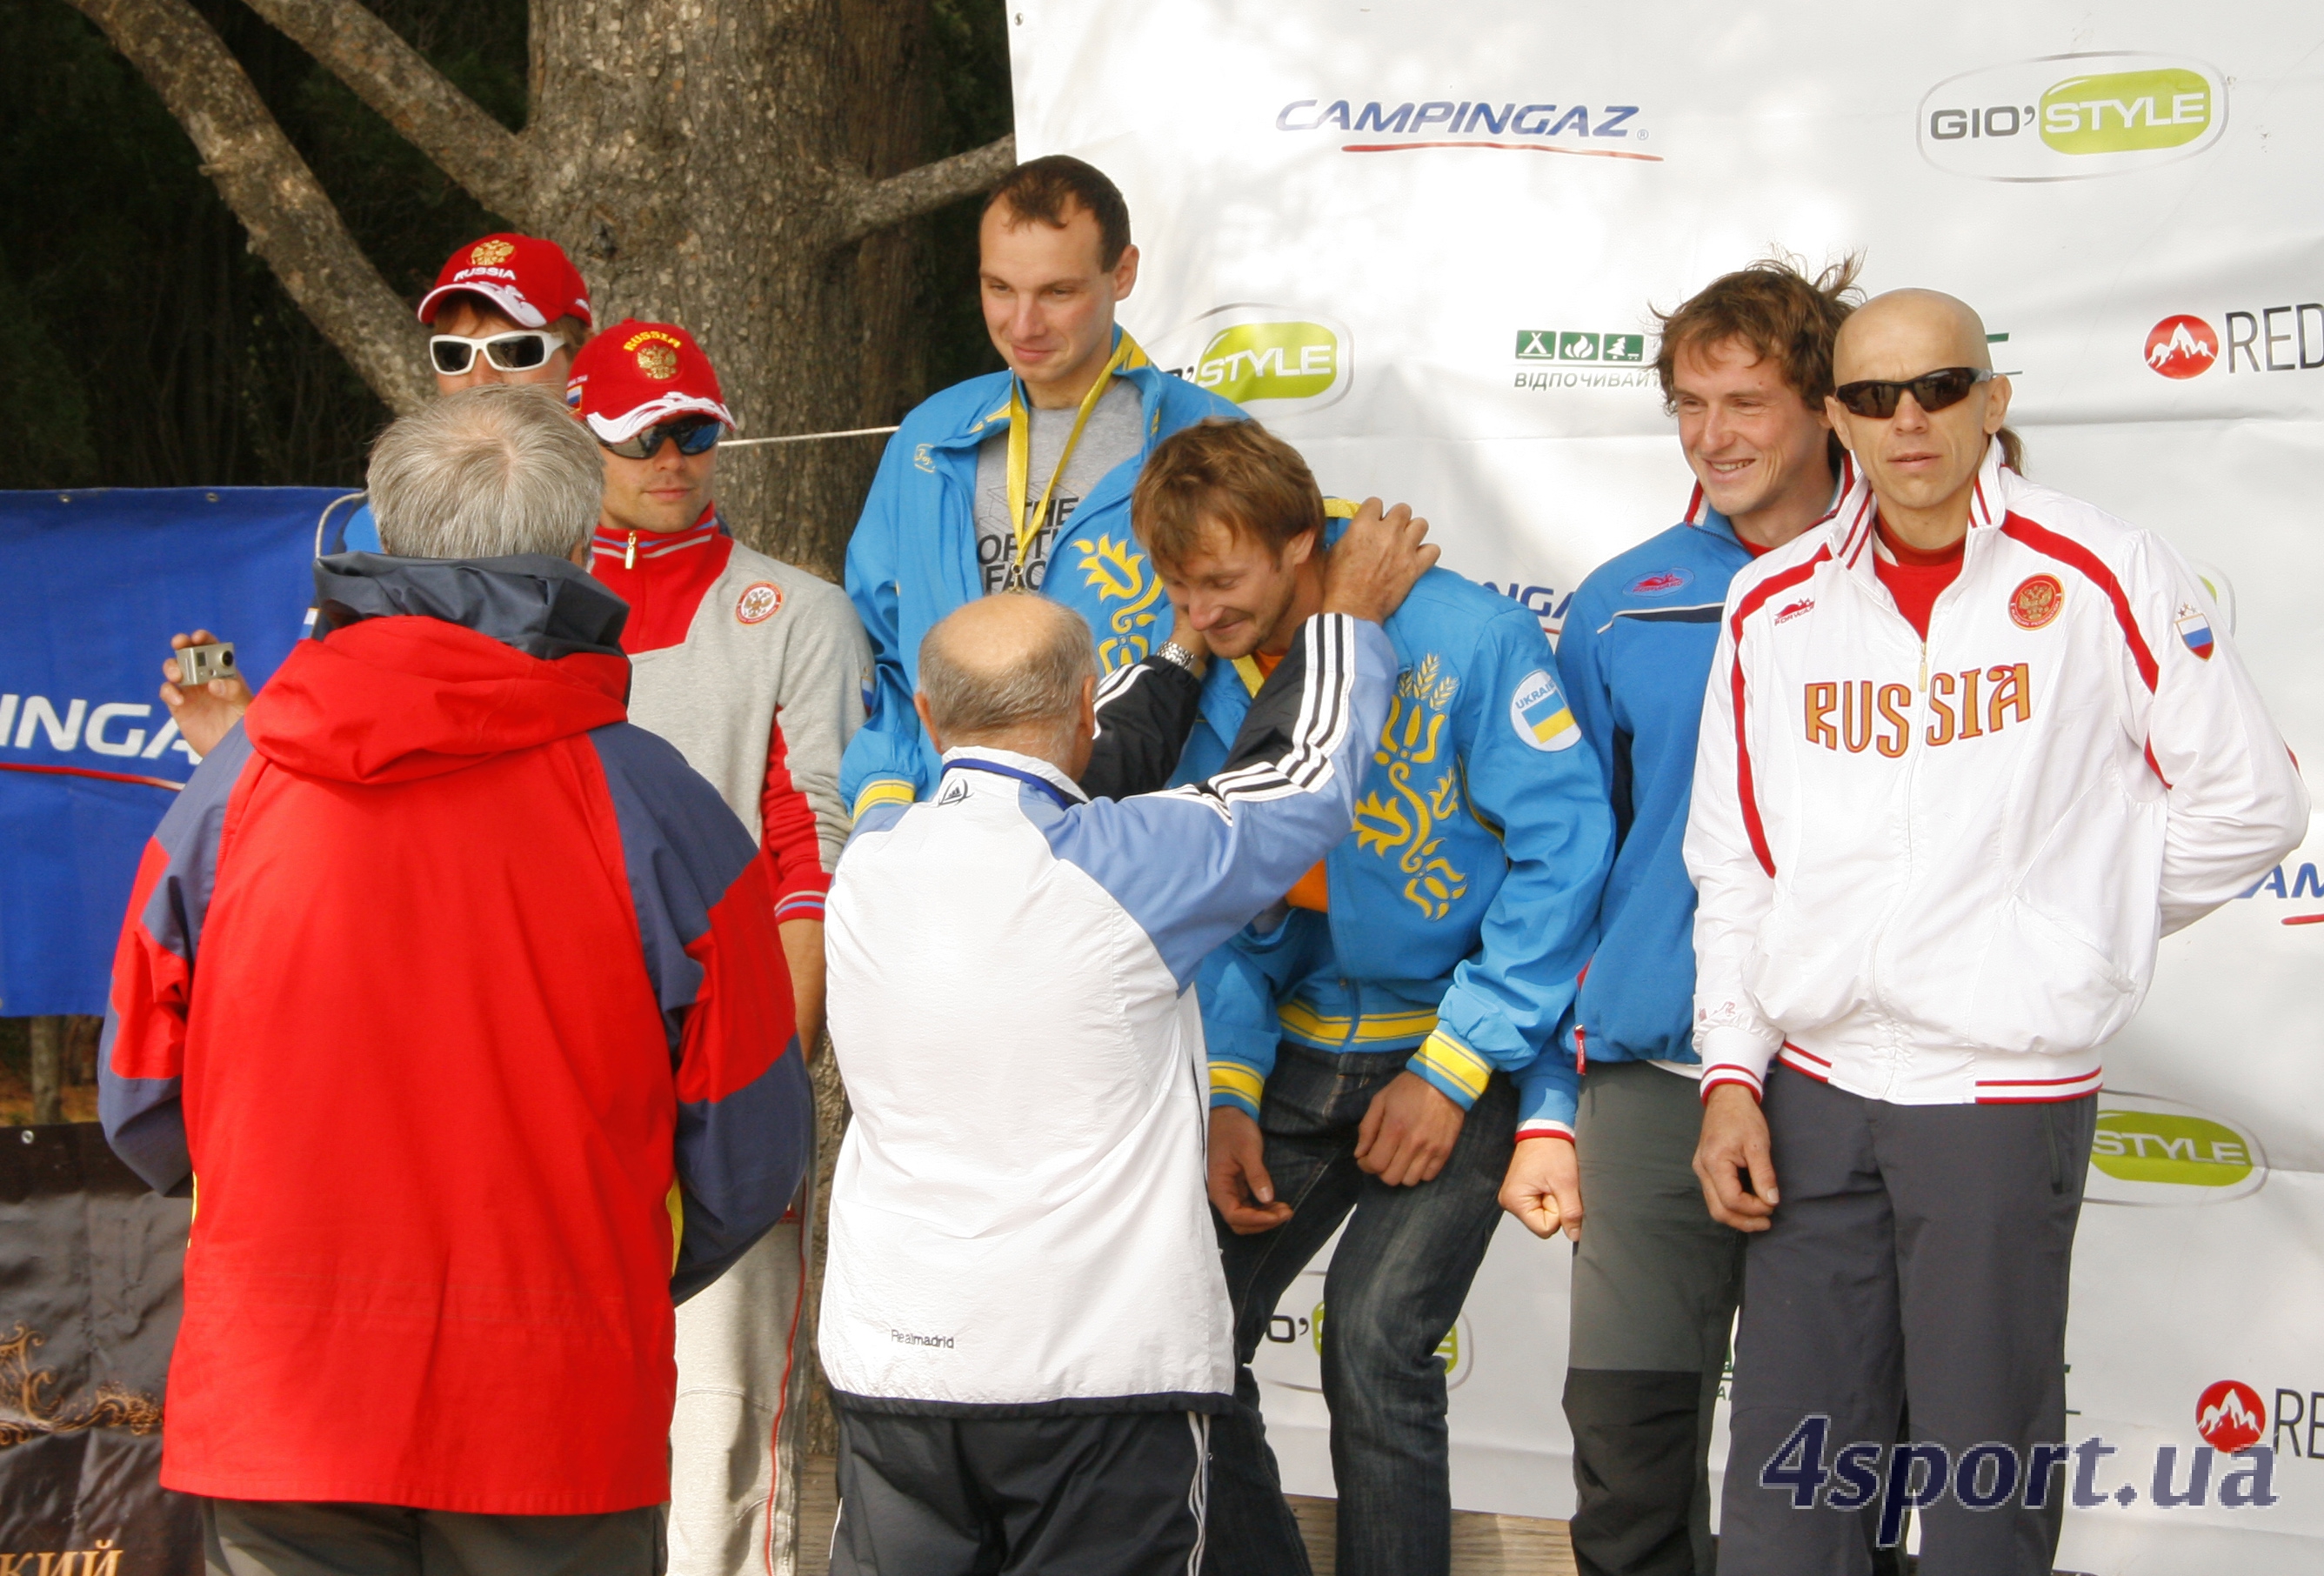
(913, 560)
(1465, 903)
(1634, 658)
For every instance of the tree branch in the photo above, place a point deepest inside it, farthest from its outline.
(291, 223)
(864, 205)
(414, 97)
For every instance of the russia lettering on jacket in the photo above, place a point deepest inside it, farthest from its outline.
(1858, 715)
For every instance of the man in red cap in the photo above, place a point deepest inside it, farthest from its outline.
(506, 308)
(755, 671)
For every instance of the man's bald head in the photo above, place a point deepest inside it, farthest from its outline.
(1012, 672)
(1907, 332)
(1922, 463)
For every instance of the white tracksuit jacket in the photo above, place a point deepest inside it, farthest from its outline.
(1019, 1224)
(1936, 873)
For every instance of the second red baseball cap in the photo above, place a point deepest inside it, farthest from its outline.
(636, 373)
(530, 280)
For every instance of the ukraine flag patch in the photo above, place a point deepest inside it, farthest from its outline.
(1540, 715)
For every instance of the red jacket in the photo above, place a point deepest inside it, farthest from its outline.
(455, 992)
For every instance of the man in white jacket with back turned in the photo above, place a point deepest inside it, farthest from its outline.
(1971, 748)
(1025, 1323)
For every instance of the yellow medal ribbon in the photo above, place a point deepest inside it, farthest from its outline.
(1020, 453)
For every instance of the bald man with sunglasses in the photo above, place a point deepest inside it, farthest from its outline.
(755, 670)
(1971, 748)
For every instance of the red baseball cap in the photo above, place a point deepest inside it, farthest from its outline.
(635, 374)
(530, 281)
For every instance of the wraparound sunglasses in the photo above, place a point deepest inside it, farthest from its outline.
(513, 350)
(692, 434)
(1932, 390)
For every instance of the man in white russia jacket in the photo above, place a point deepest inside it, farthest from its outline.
(1971, 748)
(1025, 1322)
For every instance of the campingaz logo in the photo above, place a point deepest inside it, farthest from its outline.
(2070, 117)
(1385, 124)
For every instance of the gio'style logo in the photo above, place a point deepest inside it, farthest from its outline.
(2070, 117)
(2152, 1151)
(1271, 360)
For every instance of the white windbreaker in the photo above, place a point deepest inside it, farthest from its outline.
(1936, 873)
(1019, 1224)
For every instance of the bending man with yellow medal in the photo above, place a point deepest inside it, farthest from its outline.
(1020, 480)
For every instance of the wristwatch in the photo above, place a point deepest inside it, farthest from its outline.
(1176, 655)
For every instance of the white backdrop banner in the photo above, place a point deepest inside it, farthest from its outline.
(1422, 241)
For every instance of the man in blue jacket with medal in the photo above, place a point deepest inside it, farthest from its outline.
(1020, 480)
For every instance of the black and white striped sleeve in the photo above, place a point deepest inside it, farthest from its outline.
(1195, 864)
(1144, 714)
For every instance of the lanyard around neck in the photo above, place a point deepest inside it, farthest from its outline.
(1020, 453)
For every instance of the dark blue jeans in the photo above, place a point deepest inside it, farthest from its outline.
(1396, 1284)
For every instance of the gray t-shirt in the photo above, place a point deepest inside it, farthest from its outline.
(1111, 437)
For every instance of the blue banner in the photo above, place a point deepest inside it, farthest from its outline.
(95, 585)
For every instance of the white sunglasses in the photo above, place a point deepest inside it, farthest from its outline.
(514, 350)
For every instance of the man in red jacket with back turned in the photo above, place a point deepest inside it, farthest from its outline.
(460, 1000)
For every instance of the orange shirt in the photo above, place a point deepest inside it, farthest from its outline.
(1310, 890)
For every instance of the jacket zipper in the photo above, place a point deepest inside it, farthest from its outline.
(630, 553)
(1914, 755)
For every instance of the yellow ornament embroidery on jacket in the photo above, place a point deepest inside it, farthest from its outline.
(1428, 791)
(1120, 573)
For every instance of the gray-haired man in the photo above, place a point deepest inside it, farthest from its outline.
(463, 996)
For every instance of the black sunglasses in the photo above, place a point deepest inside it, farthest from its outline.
(693, 434)
(1932, 390)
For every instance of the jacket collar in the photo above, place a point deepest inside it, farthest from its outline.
(607, 541)
(1850, 527)
(1701, 515)
(1029, 769)
(542, 606)
(989, 414)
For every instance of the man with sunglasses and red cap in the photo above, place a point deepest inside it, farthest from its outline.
(505, 309)
(754, 669)
(1971, 748)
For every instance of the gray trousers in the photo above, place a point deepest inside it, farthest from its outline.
(1655, 1281)
(265, 1537)
(743, 1365)
(1916, 1247)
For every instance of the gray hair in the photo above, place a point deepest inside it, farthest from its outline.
(1039, 690)
(488, 472)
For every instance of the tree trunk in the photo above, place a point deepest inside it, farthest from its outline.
(48, 1070)
(698, 146)
(736, 166)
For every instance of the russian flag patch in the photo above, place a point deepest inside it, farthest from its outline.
(1540, 715)
(2195, 630)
